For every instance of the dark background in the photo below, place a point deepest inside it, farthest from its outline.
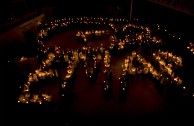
(14, 11)
(148, 13)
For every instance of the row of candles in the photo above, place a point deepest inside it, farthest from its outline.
(107, 72)
(146, 30)
(72, 64)
(170, 57)
(82, 20)
(143, 36)
(85, 34)
(85, 20)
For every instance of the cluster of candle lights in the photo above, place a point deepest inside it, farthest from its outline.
(128, 68)
(107, 71)
(73, 57)
(168, 67)
(26, 96)
(86, 34)
(190, 47)
(72, 64)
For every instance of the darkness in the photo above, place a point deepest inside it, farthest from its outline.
(178, 23)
